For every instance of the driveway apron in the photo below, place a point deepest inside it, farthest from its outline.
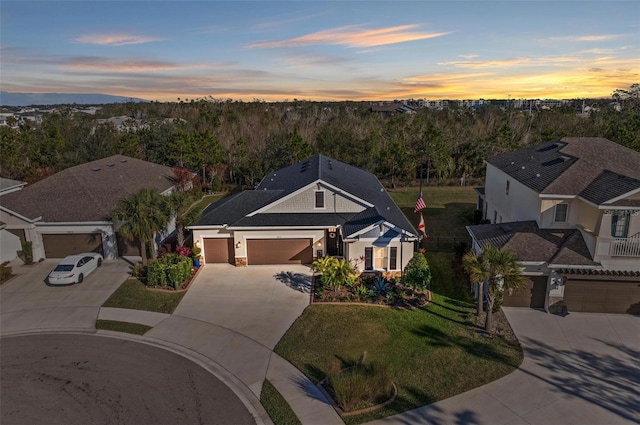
(235, 316)
(28, 304)
(578, 369)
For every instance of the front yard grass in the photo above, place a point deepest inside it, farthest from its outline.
(276, 406)
(117, 326)
(433, 351)
(134, 295)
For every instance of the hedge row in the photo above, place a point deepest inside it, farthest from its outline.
(169, 270)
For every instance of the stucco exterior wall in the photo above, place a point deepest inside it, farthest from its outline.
(520, 204)
(9, 246)
(304, 202)
(354, 251)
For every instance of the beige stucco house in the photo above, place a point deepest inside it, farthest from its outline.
(68, 212)
(318, 207)
(570, 209)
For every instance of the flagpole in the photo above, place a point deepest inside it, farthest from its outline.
(421, 167)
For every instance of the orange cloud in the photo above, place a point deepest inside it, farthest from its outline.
(114, 39)
(353, 36)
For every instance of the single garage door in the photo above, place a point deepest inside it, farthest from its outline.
(533, 296)
(59, 246)
(594, 296)
(279, 251)
(218, 250)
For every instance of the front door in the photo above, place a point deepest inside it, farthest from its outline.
(334, 243)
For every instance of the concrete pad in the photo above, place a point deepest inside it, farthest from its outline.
(49, 319)
(149, 318)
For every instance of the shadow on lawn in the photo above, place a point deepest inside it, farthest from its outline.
(476, 346)
(299, 281)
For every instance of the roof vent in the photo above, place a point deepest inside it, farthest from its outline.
(537, 174)
(381, 189)
(123, 160)
(95, 169)
(506, 228)
(111, 165)
(523, 167)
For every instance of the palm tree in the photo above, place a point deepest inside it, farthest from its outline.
(499, 270)
(141, 216)
(181, 207)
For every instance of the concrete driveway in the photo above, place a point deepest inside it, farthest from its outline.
(259, 302)
(579, 369)
(28, 304)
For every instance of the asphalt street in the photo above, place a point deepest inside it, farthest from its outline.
(88, 379)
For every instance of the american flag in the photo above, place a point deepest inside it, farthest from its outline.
(420, 205)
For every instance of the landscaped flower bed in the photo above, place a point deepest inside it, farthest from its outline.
(339, 281)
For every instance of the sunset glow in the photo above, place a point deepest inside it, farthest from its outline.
(321, 50)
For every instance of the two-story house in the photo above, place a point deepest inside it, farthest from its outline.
(570, 210)
(317, 207)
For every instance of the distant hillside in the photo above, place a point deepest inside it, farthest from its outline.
(27, 99)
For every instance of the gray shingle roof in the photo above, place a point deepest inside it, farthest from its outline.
(571, 165)
(609, 185)
(280, 183)
(87, 192)
(530, 243)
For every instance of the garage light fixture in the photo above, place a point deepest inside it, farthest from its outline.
(238, 245)
(198, 243)
(319, 243)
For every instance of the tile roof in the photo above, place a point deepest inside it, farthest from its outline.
(570, 166)
(87, 192)
(530, 243)
(280, 183)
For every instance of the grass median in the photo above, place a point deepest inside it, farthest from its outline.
(134, 295)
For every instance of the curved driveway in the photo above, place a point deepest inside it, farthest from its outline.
(87, 379)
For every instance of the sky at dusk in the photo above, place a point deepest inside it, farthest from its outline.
(321, 50)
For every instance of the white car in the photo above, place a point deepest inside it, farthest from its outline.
(74, 268)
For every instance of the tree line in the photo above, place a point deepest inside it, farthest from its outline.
(238, 142)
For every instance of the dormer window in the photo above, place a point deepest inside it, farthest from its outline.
(561, 213)
(319, 199)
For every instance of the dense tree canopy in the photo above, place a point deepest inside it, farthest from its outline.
(237, 142)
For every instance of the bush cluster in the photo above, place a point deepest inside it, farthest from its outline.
(170, 270)
(361, 386)
(5, 272)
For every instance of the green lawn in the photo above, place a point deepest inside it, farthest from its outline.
(134, 295)
(443, 216)
(117, 326)
(433, 351)
(276, 406)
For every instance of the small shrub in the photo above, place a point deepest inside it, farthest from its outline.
(417, 274)
(183, 251)
(139, 271)
(27, 252)
(381, 287)
(5, 272)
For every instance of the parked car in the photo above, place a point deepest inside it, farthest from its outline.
(74, 268)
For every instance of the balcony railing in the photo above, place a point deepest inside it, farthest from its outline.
(626, 247)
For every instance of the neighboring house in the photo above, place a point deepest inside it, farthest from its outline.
(10, 242)
(68, 212)
(570, 210)
(393, 108)
(318, 207)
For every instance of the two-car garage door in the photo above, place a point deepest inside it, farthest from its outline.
(260, 251)
(595, 296)
(279, 251)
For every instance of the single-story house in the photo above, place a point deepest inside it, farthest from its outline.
(317, 207)
(68, 212)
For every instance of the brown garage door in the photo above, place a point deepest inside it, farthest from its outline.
(593, 296)
(59, 246)
(218, 250)
(533, 296)
(279, 251)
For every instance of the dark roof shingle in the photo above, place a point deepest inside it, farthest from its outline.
(87, 192)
